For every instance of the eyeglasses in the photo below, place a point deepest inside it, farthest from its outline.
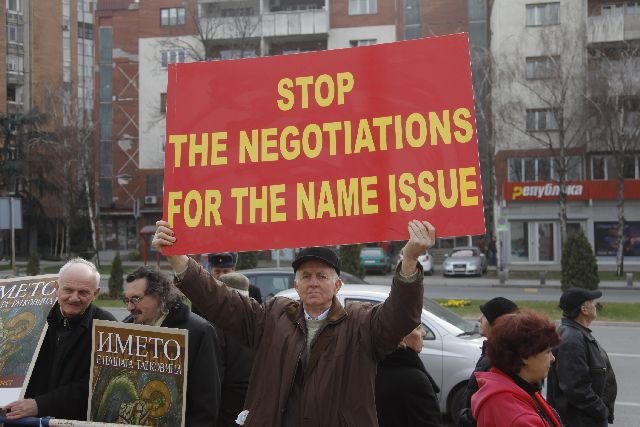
(132, 300)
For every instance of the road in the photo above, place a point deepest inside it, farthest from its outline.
(528, 290)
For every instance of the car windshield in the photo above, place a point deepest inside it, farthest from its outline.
(463, 253)
(352, 280)
(371, 252)
(437, 310)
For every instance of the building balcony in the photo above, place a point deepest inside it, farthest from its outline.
(15, 77)
(616, 27)
(270, 24)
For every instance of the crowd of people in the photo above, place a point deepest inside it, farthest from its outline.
(315, 362)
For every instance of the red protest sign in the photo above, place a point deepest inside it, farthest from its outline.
(322, 148)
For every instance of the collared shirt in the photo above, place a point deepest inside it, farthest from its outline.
(322, 316)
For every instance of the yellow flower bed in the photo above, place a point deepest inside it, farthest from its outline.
(457, 303)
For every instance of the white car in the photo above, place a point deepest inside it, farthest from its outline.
(426, 260)
(450, 348)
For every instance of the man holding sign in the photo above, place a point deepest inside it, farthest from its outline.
(315, 360)
(59, 384)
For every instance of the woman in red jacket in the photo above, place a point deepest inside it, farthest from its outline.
(520, 352)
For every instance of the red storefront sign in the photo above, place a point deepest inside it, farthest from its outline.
(322, 148)
(576, 190)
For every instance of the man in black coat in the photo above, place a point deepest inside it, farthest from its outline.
(153, 300)
(581, 383)
(59, 383)
(405, 392)
(491, 311)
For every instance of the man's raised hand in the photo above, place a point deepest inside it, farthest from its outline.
(422, 236)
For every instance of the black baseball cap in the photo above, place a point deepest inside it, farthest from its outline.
(573, 298)
(318, 253)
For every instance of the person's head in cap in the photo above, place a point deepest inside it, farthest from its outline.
(222, 262)
(579, 304)
(237, 281)
(317, 278)
(492, 310)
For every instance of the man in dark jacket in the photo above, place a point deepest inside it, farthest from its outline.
(153, 300)
(315, 360)
(491, 311)
(581, 384)
(405, 392)
(59, 383)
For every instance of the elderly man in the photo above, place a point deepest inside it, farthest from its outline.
(315, 360)
(59, 384)
(152, 300)
(490, 312)
(581, 383)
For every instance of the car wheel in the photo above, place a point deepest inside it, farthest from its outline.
(457, 403)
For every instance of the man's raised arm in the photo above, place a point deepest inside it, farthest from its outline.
(402, 310)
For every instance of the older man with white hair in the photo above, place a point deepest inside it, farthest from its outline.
(59, 384)
(315, 360)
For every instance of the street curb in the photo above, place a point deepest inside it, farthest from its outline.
(538, 286)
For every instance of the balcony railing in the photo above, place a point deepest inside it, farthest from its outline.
(615, 27)
(270, 24)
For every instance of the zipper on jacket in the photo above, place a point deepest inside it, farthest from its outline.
(295, 370)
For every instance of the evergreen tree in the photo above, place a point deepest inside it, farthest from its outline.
(350, 260)
(33, 266)
(116, 280)
(579, 266)
(247, 260)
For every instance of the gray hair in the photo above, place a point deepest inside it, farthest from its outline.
(82, 261)
(333, 275)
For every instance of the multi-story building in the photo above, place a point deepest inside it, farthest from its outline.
(137, 40)
(47, 47)
(549, 87)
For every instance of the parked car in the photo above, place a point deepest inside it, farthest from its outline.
(450, 348)
(425, 259)
(375, 259)
(270, 281)
(466, 261)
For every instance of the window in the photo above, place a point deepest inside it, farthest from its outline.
(154, 185)
(237, 53)
(172, 16)
(539, 14)
(14, 64)
(543, 169)
(519, 240)
(542, 120)
(171, 57)
(363, 7)
(14, 94)
(542, 67)
(85, 30)
(412, 25)
(14, 33)
(604, 167)
(237, 11)
(163, 103)
(14, 6)
(364, 42)
(626, 8)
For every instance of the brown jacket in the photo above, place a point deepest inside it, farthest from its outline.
(338, 383)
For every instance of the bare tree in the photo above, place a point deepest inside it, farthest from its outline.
(542, 103)
(73, 130)
(615, 97)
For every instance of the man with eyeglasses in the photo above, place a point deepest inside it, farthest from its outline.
(59, 384)
(152, 300)
(315, 360)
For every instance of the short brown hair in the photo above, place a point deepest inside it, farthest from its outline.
(517, 336)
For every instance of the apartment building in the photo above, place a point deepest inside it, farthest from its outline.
(138, 39)
(548, 83)
(47, 48)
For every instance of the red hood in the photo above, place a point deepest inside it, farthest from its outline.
(495, 383)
